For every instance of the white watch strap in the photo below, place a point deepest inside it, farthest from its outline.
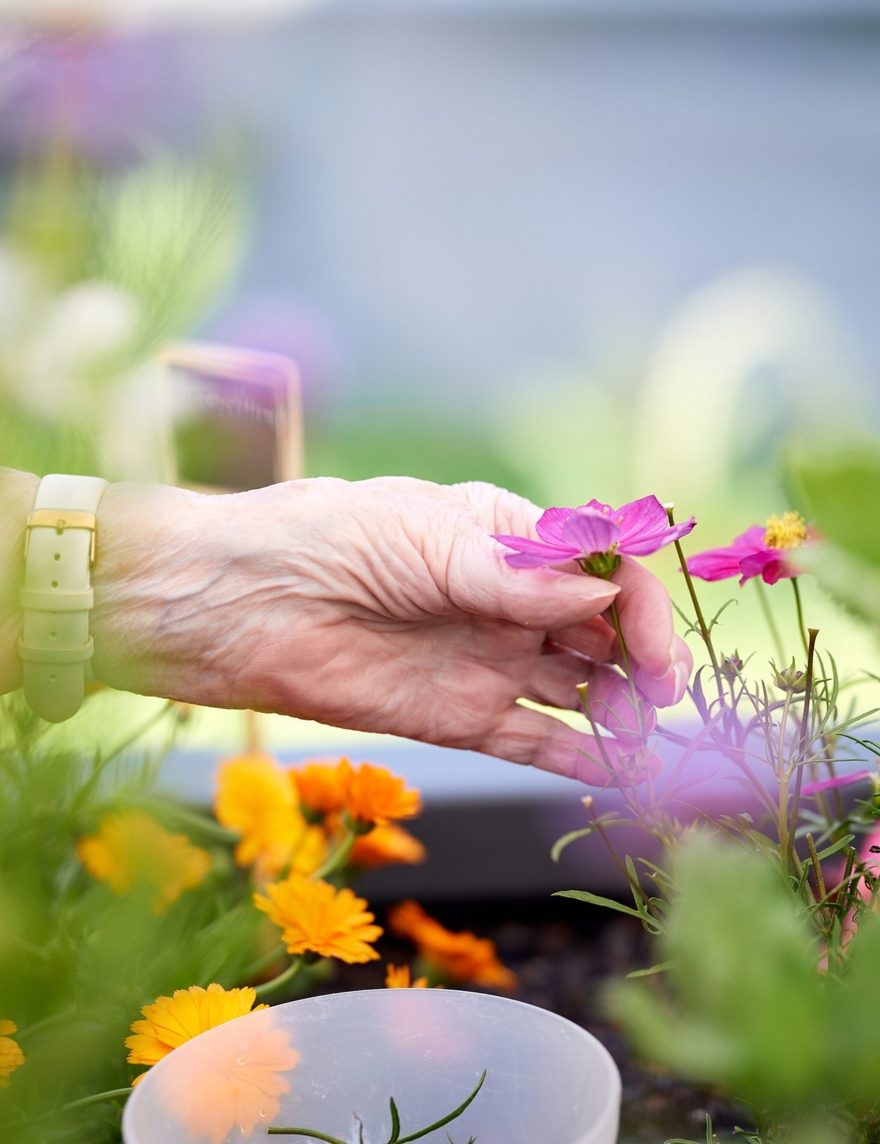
(55, 645)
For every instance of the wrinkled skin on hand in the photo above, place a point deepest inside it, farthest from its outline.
(382, 605)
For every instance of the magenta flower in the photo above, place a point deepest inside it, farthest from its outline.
(596, 530)
(756, 552)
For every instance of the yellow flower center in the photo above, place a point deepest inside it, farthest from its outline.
(786, 531)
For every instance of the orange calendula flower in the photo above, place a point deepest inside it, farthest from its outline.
(231, 1081)
(375, 794)
(398, 977)
(255, 798)
(315, 917)
(11, 1056)
(385, 845)
(132, 851)
(320, 786)
(460, 957)
(169, 1021)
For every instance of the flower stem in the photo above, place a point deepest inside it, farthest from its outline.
(768, 616)
(704, 629)
(626, 662)
(283, 978)
(97, 1098)
(800, 614)
(339, 856)
(312, 1134)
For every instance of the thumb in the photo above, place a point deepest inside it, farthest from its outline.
(481, 581)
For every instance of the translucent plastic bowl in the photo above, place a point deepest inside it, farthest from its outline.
(331, 1064)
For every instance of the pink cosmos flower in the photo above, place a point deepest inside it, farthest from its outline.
(758, 551)
(594, 529)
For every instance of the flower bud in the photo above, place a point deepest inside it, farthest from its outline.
(790, 679)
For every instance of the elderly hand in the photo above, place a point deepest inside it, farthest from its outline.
(382, 605)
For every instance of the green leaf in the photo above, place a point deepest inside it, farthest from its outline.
(395, 1121)
(450, 1117)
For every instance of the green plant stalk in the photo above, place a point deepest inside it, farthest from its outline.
(339, 857)
(395, 1137)
(783, 776)
(705, 633)
(283, 978)
(768, 617)
(802, 738)
(800, 614)
(97, 1098)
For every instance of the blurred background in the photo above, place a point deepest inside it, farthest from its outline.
(576, 247)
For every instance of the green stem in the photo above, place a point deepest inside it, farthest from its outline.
(800, 614)
(771, 623)
(283, 978)
(703, 627)
(339, 856)
(310, 1132)
(626, 662)
(782, 777)
(803, 737)
(97, 1098)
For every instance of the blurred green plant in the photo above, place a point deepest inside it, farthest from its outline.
(97, 270)
(77, 960)
(765, 909)
(838, 486)
(743, 1006)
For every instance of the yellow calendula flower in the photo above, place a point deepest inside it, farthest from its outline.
(399, 977)
(375, 794)
(460, 956)
(320, 786)
(11, 1056)
(133, 851)
(315, 917)
(385, 845)
(229, 1085)
(256, 799)
(169, 1021)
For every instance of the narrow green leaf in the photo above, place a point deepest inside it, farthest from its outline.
(598, 900)
(446, 1119)
(395, 1122)
(660, 967)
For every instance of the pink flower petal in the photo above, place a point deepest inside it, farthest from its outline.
(589, 531)
(551, 524)
(722, 563)
(833, 783)
(534, 553)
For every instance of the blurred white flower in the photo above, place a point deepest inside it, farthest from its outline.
(21, 290)
(124, 14)
(79, 330)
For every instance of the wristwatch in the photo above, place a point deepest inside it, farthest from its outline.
(55, 645)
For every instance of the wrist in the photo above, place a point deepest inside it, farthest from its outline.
(185, 585)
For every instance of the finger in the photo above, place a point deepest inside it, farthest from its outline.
(526, 736)
(610, 700)
(646, 620)
(555, 677)
(668, 689)
(593, 638)
(482, 582)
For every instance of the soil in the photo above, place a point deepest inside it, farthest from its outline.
(563, 953)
